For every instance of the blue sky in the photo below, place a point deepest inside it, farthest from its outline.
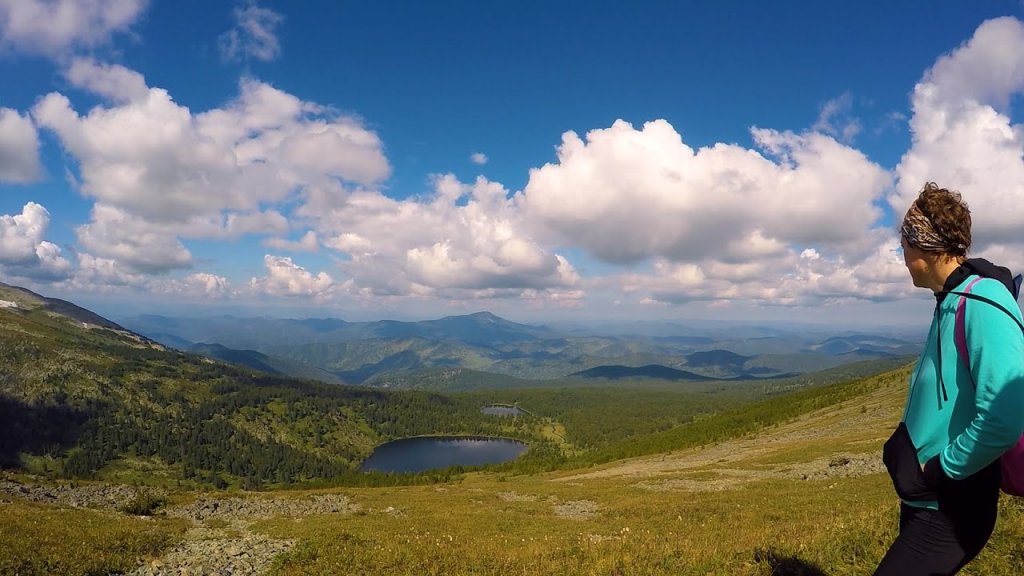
(542, 160)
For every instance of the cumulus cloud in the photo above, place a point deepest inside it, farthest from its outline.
(115, 234)
(112, 81)
(805, 278)
(198, 285)
(308, 243)
(160, 172)
(285, 278)
(628, 195)
(478, 158)
(19, 148)
(109, 276)
(24, 252)
(253, 36)
(158, 160)
(105, 275)
(461, 239)
(965, 139)
(53, 27)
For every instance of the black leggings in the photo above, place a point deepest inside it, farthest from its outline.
(929, 544)
(939, 542)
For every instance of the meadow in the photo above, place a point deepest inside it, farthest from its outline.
(802, 494)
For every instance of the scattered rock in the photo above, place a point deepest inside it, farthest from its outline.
(250, 555)
(576, 509)
(838, 461)
(256, 508)
(106, 496)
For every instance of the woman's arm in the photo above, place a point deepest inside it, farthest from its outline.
(995, 345)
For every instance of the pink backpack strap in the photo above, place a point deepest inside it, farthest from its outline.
(959, 330)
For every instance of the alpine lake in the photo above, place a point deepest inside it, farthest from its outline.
(424, 453)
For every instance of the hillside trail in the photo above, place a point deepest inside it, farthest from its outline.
(855, 431)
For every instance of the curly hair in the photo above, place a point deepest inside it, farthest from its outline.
(938, 221)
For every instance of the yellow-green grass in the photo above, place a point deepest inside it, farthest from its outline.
(42, 539)
(666, 514)
(840, 527)
(731, 508)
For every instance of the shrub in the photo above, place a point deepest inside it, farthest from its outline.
(143, 504)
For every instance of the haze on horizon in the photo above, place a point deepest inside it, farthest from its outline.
(320, 159)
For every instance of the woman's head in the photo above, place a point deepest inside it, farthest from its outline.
(935, 236)
(938, 222)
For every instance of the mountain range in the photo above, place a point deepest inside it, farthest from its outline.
(376, 353)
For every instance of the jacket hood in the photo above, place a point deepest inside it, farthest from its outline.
(982, 268)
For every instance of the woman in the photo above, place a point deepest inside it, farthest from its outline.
(961, 414)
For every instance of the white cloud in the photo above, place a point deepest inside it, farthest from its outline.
(24, 252)
(803, 278)
(836, 120)
(160, 173)
(254, 35)
(156, 159)
(237, 224)
(112, 81)
(136, 244)
(95, 274)
(51, 264)
(53, 27)
(964, 138)
(19, 148)
(198, 285)
(285, 278)
(461, 239)
(308, 243)
(627, 195)
(478, 158)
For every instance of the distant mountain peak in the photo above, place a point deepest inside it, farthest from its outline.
(482, 315)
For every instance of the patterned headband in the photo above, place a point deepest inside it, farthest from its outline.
(920, 234)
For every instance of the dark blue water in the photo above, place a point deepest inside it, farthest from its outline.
(501, 410)
(419, 454)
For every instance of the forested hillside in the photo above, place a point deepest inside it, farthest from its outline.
(81, 400)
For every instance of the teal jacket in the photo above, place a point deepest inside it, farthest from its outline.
(963, 419)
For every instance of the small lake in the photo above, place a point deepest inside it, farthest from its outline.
(499, 410)
(429, 453)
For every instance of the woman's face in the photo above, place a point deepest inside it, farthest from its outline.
(915, 262)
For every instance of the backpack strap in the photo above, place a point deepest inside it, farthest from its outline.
(960, 331)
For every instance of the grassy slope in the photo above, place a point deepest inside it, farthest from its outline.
(772, 501)
(740, 507)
